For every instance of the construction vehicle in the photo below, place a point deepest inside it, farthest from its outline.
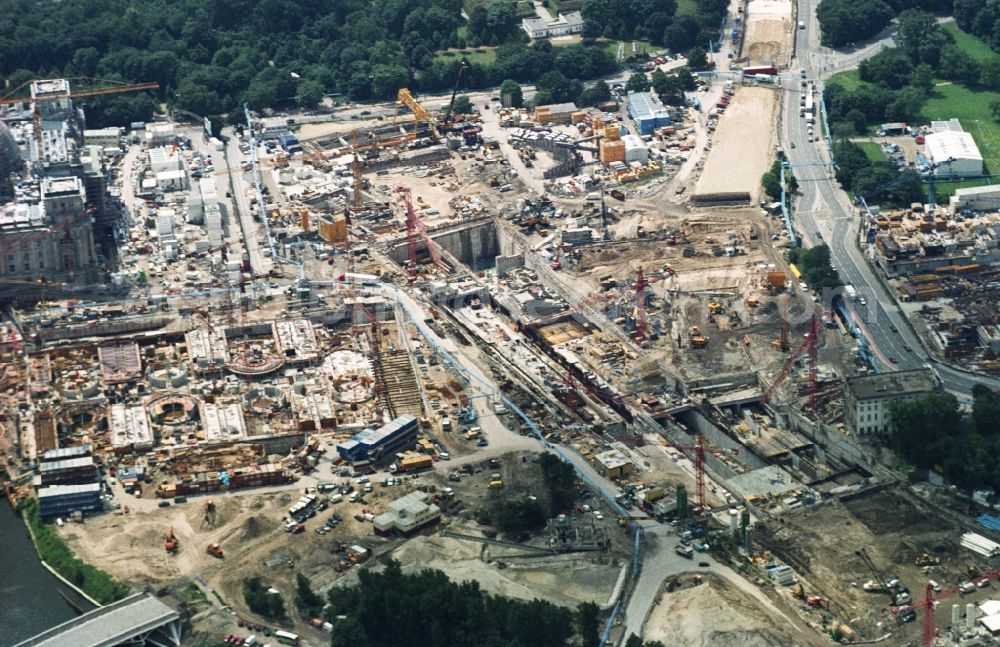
(170, 544)
(624, 521)
(215, 551)
(555, 264)
(449, 115)
(782, 343)
(696, 339)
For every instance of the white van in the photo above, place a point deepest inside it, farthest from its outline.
(934, 586)
(355, 496)
(336, 498)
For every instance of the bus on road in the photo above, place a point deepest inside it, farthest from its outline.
(286, 638)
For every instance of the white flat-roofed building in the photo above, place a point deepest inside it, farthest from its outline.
(130, 429)
(953, 152)
(407, 515)
(223, 422)
(163, 158)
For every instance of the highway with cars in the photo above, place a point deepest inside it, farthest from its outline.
(823, 213)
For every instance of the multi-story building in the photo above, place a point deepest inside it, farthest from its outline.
(52, 238)
(382, 443)
(61, 500)
(867, 398)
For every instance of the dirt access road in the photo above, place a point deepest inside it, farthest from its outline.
(744, 140)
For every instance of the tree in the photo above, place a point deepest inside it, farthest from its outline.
(916, 425)
(638, 82)
(591, 28)
(309, 95)
(985, 411)
(995, 109)
(594, 95)
(256, 596)
(920, 36)
(697, 58)
(517, 516)
(309, 604)
(463, 105)
(560, 478)
(670, 89)
(439, 613)
(510, 92)
(682, 34)
(588, 623)
(844, 21)
(771, 181)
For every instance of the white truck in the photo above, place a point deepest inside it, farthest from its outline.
(851, 293)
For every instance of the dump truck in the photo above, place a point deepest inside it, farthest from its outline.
(412, 463)
(215, 550)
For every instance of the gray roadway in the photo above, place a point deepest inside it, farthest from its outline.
(824, 213)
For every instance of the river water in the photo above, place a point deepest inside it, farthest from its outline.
(29, 598)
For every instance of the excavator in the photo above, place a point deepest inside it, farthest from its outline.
(215, 550)
(170, 544)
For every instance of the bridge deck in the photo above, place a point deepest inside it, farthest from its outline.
(110, 625)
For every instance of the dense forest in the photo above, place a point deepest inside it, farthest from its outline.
(850, 21)
(391, 609)
(210, 56)
(933, 433)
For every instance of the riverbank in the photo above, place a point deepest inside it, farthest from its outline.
(94, 584)
(32, 599)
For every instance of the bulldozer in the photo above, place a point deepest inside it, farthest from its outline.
(215, 550)
(170, 544)
(696, 339)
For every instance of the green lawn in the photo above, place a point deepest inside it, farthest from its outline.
(973, 110)
(872, 150)
(483, 55)
(848, 80)
(972, 46)
(632, 47)
(687, 7)
(945, 190)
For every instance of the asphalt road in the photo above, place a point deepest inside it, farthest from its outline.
(824, 213)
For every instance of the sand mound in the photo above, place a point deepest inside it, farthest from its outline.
(254, 527)
(711, 615)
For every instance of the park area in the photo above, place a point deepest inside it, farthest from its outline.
(949, 100)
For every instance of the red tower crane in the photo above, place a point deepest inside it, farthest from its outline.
(699, 450)
(640, 307)
(929, 604)
(810, 344)
(413, 226)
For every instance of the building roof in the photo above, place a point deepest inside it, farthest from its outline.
(886, 385)
(976, 190)
(109, 625)
(376, 436)
(62, 490)
(952, 124)
(406, 511)
(612, 459)
(992, 623)
(66, 464)
(557, 108)
(950, 144)
(65, 452)
(643, 105)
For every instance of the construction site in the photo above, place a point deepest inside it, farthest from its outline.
(381, 321)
